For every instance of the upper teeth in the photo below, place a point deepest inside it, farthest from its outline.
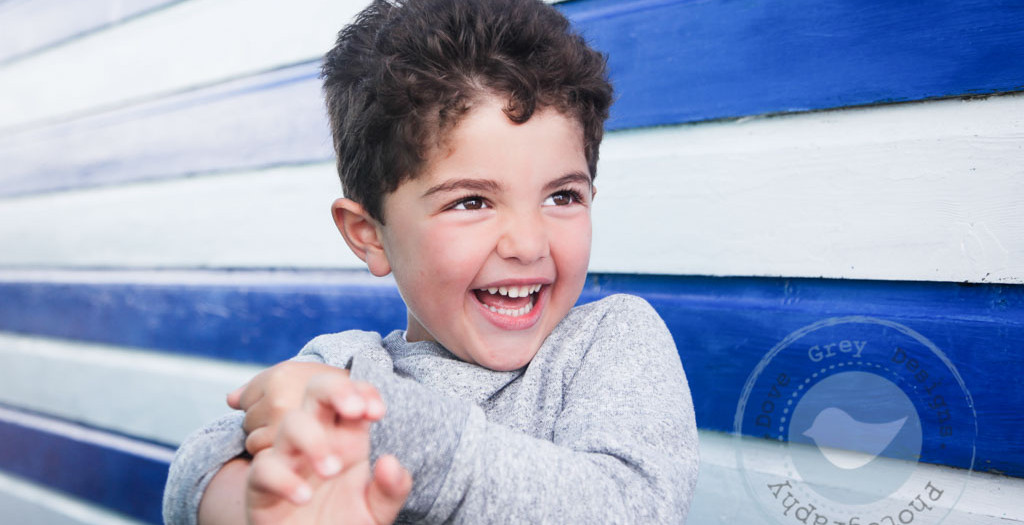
(514, 291)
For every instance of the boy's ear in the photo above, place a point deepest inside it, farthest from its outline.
(362, 234)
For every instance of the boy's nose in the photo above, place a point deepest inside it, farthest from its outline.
(524, 238)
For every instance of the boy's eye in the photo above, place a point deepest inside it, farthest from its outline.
(563, 198)
(469, 203)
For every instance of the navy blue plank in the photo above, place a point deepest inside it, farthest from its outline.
(723, 327)
(676, 61)
(270, 119)
(39, 25)
(671, 62)
(255, 323)
(118, 472)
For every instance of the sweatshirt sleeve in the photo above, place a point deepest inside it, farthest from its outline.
(624, 449)
(198, 458)
(201, 455)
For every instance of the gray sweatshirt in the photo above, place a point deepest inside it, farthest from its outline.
(598, 428)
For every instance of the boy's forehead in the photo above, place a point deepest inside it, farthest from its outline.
(445, 138)
(469, 146)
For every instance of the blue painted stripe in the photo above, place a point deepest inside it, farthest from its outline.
(251, 321)
(256, 322)
(723, 328)
(41, 25)
(120, 473)
(676, 61)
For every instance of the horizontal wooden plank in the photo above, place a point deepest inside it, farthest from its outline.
(25, 502)
(254, 317)
(128, 388)
(149, 58)
(277, 218)
(895, 192)
(721, 498)
(682, 61)
(723, 328)
(671, 61)
(31, 27)
(116, 472)
(271, 119)
(926, 191)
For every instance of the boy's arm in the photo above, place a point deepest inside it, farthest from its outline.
(624, 448)
(198, 459)
(223, 501)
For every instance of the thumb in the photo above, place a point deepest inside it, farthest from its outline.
(235, 397)
(388, 489)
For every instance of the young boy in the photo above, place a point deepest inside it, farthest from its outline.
(467, 136)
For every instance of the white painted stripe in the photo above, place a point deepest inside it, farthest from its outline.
(924, 191)
(721, 498)
(193, 43)
(141, 393)
(275, 219)
(23, 502)
(253, 278)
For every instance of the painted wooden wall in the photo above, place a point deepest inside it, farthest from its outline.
(775, 172)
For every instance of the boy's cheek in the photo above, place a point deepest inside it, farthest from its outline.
(574, 243)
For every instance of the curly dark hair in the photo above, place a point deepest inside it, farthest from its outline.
(405, 71)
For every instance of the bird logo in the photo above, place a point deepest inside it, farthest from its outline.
(850, 444)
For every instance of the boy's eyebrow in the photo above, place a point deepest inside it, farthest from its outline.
(486, 185)
(477, 185)
(576, 176)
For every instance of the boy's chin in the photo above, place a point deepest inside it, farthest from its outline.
(510, 353)
(507, 365)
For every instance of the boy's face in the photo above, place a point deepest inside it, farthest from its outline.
(500, 207)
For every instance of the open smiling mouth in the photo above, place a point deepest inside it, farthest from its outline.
(513, 301)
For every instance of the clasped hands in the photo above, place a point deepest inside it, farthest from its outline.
(308, 429)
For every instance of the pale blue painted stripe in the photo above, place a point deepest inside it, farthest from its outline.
(40, 25)
(272, 119)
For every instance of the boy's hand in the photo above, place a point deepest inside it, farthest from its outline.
(318, 469)
(272, 393)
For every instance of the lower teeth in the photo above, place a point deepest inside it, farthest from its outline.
(513, 313)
